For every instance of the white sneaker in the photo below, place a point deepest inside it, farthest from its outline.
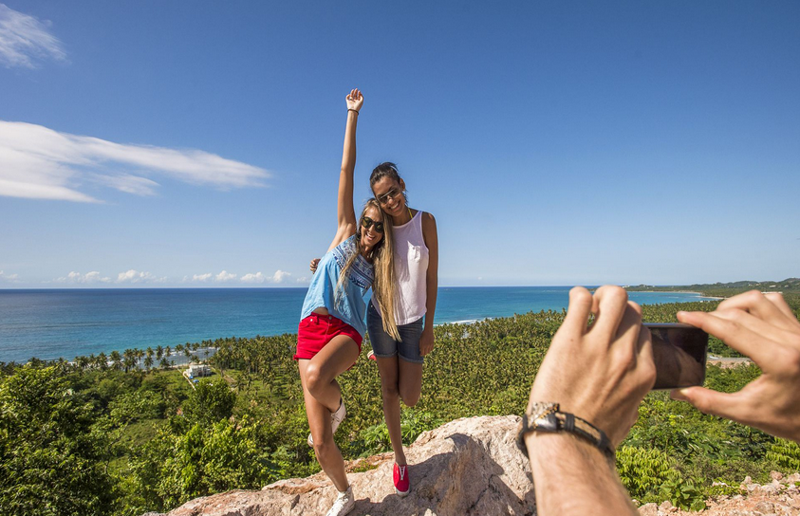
(336, 419)
(344, 503)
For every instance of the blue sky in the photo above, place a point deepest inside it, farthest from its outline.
(147, 144)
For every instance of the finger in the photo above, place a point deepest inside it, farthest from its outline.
(626, 340)
(580, 305)
(721, 404)
(760, 306)
(777, 299)
(610, 303)
(645, 363)
(732, 332)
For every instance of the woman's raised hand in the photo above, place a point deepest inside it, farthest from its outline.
(355, 99)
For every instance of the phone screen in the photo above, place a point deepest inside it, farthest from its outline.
(679, 352)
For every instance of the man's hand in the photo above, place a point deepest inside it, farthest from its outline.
(313, 266)
(763, 327)
(599, 372)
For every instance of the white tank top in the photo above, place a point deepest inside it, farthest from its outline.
(410, 271)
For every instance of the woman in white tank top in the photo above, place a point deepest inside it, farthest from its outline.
(416, 263)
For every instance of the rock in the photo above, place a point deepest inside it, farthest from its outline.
(466, 467)
(776, 475)
(665, 506)
(764, 507)
(649, 509)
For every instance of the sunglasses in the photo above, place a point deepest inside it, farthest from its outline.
(391, 194)
(367, 223)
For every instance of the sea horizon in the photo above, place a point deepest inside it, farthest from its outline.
(53, 323)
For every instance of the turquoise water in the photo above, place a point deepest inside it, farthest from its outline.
(49, 324)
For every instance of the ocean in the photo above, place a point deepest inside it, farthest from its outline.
(49, 324)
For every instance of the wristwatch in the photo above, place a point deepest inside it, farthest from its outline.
(547, 417)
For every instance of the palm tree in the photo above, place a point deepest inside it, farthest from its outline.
(128, 359)
(159, 352)
(116, 360)
(101, 361)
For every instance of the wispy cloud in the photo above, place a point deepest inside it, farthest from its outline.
(10, 278)
(131, 276)
(25, 41)
(39, 163)
(134, 276)
(252, 278)
(78, 278)
(201, 278)
(260, 277)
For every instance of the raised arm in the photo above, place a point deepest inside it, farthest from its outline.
(345, 213)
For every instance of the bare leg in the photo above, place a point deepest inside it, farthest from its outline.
(318, 378)
(321, 371)
(389, 371)
(399, 380)
(410, 382)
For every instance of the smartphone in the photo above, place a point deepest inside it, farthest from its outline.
(679, 352)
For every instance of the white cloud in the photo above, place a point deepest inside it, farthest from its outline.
(260, 277)
(78, 278)
(280, 275)
(302, 279)
(24, 40)
(254, 278)
(224, 276)
(202, 277)
(39, 163)
(134, 276)
(11, 278)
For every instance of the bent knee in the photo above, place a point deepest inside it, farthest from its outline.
(410, 396)
(324, 447)
(314, 379)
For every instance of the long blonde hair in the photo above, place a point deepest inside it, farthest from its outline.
(382, 256)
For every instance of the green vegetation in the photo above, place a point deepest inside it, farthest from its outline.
(91, 438)
(790, 287)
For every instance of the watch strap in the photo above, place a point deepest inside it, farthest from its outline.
(548, 418)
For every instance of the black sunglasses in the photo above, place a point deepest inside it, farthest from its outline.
(367, 223)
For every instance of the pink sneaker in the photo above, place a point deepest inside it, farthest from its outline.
(402, 484)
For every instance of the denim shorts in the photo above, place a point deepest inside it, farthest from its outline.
(384, 346)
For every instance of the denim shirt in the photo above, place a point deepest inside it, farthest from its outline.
(351, 306)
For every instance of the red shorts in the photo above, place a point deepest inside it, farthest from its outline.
(317, 330)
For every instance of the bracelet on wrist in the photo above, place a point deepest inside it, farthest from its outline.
(548, 418)
(353, 110)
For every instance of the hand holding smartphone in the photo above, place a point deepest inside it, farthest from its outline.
(679, 353)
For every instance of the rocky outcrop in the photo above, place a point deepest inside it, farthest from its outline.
(778, 498)
(466, 467)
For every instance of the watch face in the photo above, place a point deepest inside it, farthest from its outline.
(540, 409)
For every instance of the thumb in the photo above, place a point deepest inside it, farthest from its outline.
(710, 402)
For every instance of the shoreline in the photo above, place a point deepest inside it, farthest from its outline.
(677, 292)
(23, 342)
